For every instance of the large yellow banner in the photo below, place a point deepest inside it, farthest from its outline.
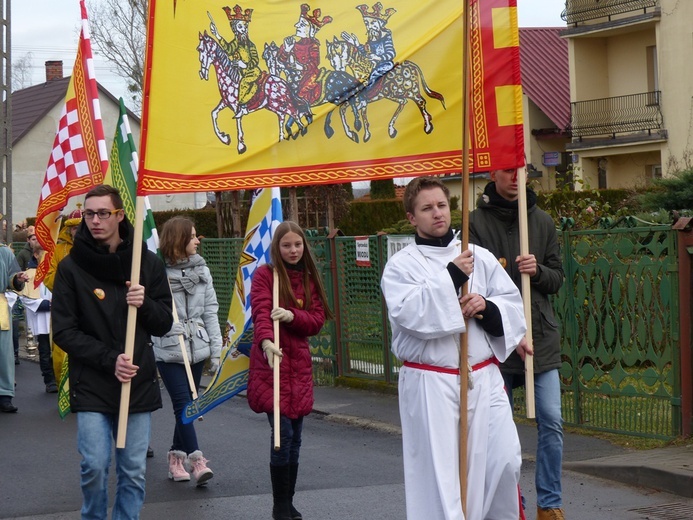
(283, 93)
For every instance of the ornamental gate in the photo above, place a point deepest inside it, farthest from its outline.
(619, 312)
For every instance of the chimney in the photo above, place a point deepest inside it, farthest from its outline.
(54, 70)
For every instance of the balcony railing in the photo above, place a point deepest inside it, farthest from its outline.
(584, 10)
(617, 115)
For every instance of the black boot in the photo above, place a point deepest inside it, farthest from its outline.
(280, 491)
(293, 473)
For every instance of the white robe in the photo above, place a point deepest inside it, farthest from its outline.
(426, 321)
(38, 322)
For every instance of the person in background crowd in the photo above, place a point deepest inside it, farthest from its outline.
(37, 303)
(11, 278)
(18, 312)
(301, 313)
(25, 254)
(490, 226)
(62, 249)
(196, 305)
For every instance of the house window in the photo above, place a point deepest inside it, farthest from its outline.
(655, 171)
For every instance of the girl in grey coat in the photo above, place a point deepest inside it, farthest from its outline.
(196, 304)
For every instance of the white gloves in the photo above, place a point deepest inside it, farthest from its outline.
(213, 366)
(176, 330)
(282, 315)
(271, 351)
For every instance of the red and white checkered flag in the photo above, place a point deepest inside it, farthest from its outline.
(79, 159)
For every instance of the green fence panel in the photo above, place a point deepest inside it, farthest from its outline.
(363, 324)
(222, 256)
(323, 345)
(619, 310)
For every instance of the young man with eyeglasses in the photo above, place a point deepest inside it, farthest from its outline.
(92, 293)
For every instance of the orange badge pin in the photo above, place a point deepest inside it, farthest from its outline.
(503, 262)
(99, 294)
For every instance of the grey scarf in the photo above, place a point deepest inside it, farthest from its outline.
(191, 273)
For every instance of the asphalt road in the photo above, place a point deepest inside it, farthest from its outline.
(342, 468)
(347, 471)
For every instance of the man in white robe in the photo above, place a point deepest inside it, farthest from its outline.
(421, 284)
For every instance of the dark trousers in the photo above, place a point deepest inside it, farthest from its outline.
(289, 439)
(45, 358)
(176, 382)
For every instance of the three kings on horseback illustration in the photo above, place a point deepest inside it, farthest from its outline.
(295, 82)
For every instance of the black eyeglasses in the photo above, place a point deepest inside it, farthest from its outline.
(103, 214)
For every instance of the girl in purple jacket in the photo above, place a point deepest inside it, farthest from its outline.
(301, 312)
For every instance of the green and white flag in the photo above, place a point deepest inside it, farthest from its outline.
(122, 174)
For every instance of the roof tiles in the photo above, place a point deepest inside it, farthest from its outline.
(545, 72)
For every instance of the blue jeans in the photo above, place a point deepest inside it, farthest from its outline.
(547, 399)
(95, 434)
(176, 382)
(289, 440)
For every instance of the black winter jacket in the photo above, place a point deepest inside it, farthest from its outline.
(494, 225)
(24, 255)
(89, 316)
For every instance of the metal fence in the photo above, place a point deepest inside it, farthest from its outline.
(618, 310)
(584, 10)
(617, 115)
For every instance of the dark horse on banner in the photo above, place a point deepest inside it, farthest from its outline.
(273, 94)
(401, 84)
(338, 87)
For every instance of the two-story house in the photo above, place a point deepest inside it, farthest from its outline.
(35, 115)
(631, 89)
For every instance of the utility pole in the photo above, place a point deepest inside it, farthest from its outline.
(6, 122)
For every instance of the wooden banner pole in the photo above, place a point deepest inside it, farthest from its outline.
(464, 349)
(526, 287)
(277, 362)
(132, 321)
(184, 351)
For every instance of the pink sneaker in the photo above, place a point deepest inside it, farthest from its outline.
(197, 465)
(176, 469)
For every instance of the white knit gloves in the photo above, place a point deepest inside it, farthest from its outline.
(271, 351)
(282, 315)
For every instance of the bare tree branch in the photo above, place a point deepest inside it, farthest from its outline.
(21, 72)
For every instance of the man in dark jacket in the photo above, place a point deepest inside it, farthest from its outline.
(92, 293)
(25, 254)
(494, 225)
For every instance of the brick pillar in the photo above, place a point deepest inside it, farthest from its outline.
(54, 70)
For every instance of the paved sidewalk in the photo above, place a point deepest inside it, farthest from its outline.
(665, 469)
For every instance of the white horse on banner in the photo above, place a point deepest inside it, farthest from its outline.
(403, 83)
(273, 94)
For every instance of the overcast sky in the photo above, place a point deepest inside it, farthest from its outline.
(49, 29)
